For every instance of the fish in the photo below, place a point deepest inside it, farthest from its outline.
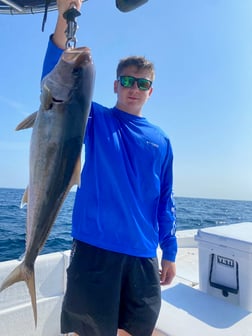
(55, 154)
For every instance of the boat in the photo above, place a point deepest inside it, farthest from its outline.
(211, 294)
(42, 6)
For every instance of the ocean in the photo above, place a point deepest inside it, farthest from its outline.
(192, 213)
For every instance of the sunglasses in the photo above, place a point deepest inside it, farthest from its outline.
(143, 84)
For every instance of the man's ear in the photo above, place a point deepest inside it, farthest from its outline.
(150, 91)
(116, 86)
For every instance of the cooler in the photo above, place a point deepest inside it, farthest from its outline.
(225, 262)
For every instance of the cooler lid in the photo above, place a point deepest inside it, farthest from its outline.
(237, 236)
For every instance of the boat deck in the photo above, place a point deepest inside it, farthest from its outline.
(188, 311)
(185, 309)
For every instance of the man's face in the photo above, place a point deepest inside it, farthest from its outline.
(131, 100)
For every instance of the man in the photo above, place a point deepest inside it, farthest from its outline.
(122, 210)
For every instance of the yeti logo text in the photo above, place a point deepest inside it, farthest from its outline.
(225, 261)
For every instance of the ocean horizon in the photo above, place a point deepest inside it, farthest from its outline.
(192, 213)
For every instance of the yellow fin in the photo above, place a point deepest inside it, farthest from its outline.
(23, 273)
(27, 122)
(30, 282)
(24, 200)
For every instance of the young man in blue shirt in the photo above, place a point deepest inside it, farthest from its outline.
(123, 209)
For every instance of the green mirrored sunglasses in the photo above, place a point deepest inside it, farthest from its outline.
(128, 81)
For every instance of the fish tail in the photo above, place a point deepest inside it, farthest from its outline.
(23, 273)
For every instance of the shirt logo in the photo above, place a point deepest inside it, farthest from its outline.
(152, 144)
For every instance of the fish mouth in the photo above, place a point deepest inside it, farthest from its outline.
(57, 100)
(78, 56)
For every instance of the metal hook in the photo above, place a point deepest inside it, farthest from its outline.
(70, 31)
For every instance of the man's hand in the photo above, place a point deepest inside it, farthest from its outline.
(64, 5)
(168, 272)
(59, 36)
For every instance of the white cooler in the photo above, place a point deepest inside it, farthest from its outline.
(225, 262)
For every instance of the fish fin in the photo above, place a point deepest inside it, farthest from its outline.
(13, 277)
(24, 200)
(30, 282)
(27, 122)
(23, 273)
(76, 174)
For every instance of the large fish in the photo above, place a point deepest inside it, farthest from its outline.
(55, 150)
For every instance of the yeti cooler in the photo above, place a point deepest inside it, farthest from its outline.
(225, 262)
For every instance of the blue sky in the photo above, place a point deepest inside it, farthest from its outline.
(202, 98)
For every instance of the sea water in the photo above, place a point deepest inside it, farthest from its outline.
(192, 213)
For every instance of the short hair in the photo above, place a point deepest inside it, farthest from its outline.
(140, 62)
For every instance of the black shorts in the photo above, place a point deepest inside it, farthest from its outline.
(108, 290)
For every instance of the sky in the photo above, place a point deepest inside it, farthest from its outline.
(202, 97)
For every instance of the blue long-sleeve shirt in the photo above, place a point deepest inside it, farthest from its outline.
(124, 203)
